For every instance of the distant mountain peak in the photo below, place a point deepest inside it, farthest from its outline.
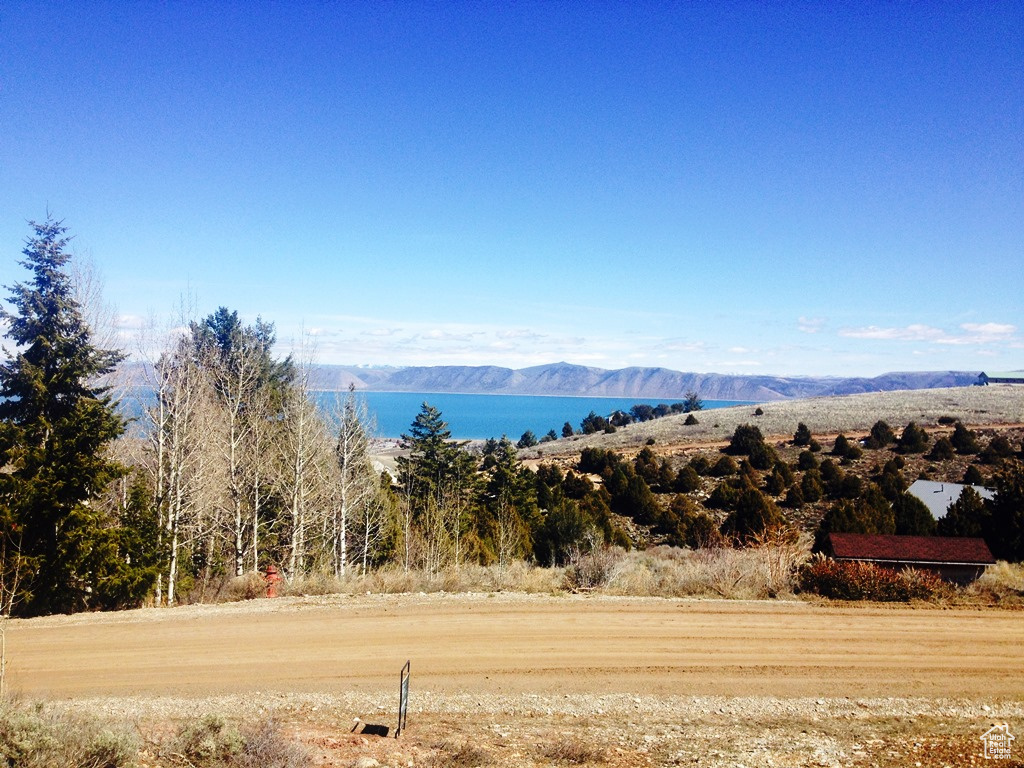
(564, 378)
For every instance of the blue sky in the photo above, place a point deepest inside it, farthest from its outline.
(777, 188)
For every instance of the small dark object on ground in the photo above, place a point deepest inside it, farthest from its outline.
(370, 729)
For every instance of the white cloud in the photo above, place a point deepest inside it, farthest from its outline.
(520, 333)
(915, 332)
(436, 334)
(993, 330)
(130, 322)
(810, 324)
(970, 334)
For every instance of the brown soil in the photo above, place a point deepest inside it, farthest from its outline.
(536, 680)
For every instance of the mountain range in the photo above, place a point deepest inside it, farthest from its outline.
(566, 379)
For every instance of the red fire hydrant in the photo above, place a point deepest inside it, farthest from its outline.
(273, 579)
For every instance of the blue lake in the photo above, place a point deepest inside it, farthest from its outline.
(469, 417)
(474, 417)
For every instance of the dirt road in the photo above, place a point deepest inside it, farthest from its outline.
(516, 644)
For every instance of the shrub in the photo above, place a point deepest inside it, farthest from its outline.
(806, 460)
(973, 476)
(1002, 582)
(725, 495)
(763, 456)
(998, 448)
(210, 740)
(267, 747)
(845, 580)
(723, 467)
(802, 436)
(912, 440)
(700, 464)
(794, 498)
(691, 420)
(592, 569)
(33, 736)
(687, 480)
(942, 450)
(247, 587)
(964, 440)
(881, 435)
(744, 439)
(767, 569)
(774, 483)
(752, 515)
(811, 486)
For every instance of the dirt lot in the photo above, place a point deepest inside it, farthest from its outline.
(539, 680)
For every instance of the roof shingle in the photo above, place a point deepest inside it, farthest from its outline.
(911, 549)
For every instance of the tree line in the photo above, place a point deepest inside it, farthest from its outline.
(638, 413)
(233, 468)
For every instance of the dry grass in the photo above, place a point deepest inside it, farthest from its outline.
(462, 755)
(518, 576)
(570, 750)
(34, 736)
(992, 405)
(768, 569)
(762, 571)
(759, 572)
(44, 736)
(1000, 583)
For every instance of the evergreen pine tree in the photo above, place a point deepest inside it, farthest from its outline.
(964, 440)
(435, 464)
(55, 422)
(802, 436)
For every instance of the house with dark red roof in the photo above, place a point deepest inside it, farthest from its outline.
(960, 560)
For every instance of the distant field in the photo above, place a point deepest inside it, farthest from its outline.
(827, 416)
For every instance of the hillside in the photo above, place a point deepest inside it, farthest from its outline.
(975, 406)
(568, 379)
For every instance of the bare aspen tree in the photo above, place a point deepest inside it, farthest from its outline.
(509, 534)
(238, 361)
(234, 372)
(371, 525)
(406, 512)
(87, 289)
(184, 471)
(260, 468)
(308, 476)
(357, 484)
